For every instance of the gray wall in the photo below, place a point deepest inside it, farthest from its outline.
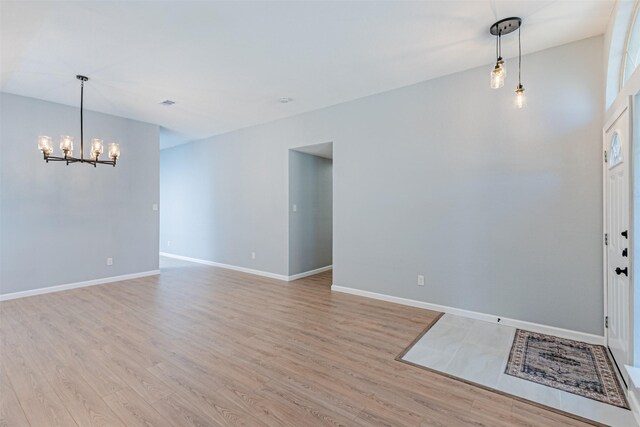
(311, 225)
(499, 208)
(60, 223)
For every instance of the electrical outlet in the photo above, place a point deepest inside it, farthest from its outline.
(253, 255)
(109, 261)
(168, 243)
(295, 208)
(154, 207)
(420, 280)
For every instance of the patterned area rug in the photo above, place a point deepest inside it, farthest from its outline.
(573, 366)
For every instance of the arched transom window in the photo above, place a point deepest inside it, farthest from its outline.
(631, 54)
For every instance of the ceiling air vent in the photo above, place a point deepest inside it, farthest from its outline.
(167, 102)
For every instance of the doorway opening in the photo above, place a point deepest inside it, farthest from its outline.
(310, 210)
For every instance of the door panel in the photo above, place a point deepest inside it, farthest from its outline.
(616, 142)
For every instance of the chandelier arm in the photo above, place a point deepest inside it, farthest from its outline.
(64, 159)
(76, 160)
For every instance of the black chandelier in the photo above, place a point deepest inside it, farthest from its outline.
(45, 143)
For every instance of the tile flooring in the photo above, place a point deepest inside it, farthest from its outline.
(478, 351)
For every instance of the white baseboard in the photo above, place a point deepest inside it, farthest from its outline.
(248, 270)
(521, 324)
(310, 273)
(58, 288)
(227, 266)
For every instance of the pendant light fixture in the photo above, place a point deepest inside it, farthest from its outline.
(521, 101)
(499, 72)
(45, 143)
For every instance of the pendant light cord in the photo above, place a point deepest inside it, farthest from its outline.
(519, 58)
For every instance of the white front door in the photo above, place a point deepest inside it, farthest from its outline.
(616, 144)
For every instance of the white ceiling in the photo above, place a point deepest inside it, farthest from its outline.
(227, 63)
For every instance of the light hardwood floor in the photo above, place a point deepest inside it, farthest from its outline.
(203, 346)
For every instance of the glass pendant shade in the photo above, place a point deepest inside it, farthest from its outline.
(521, 100)
(45, 144)
(497, 76)
(66, 144)
(114, 151)
(97, 148)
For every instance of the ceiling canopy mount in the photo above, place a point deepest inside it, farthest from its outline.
(505, 26)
